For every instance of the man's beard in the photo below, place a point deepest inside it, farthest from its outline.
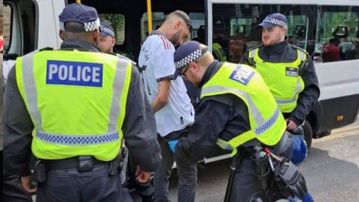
(175, 38)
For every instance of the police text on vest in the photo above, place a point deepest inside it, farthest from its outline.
(74, 73)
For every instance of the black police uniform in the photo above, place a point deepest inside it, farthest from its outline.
(138, 128)
(144, 190)
(65, 181)
(223, 116)
(284, 52)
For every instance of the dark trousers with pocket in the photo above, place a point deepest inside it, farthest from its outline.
(91, 186)
(187, 176)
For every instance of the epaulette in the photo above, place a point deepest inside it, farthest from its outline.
(46, 49)
(125, 58)
(303, 57)
(255, 47)
(299, 48)
(251, 54)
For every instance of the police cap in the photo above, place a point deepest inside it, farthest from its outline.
(274, 19)
(106, 29)
(186, 53)
(80, 13)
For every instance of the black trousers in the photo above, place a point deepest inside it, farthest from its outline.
(246, 186)
(13, 191)
(92, 186)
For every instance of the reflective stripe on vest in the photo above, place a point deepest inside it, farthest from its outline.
(283, 79)
(85, 143)
(266, 122)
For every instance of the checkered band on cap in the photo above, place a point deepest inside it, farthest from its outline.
(92, 26)
(275, 22)
(189, 58)
(88, 26)
(107, 31)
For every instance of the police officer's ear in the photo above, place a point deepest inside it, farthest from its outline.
(113, 43)
(96, 35)
(193, 66)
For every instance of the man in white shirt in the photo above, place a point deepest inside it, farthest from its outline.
(169, 101)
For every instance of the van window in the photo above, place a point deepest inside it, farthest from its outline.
(338, 33)
(235, 26)
(197, 20)
(157, 19)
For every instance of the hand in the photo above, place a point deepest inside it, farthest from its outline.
(142, 177)
(26, 184)
(172, 144)
(291, 125)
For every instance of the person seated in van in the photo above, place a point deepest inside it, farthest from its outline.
(346, 48)
(331, 50)
(219, 42)
(236, 48)
(201, 34)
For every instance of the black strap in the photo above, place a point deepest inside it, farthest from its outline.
(83, 163)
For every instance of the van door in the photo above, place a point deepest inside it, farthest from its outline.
(29, 25)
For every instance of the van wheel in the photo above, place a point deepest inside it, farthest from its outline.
(308, 133)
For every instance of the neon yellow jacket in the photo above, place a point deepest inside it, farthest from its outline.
(76, 101)
(266, 122)
(283, 79)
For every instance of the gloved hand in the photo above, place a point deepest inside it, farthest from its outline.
(299, 149)
(307, 197)
(142, 177)
(291, 125)
(172, 144)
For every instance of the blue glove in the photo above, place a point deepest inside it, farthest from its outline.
(172, 144)
(307, 198)
(299, 151)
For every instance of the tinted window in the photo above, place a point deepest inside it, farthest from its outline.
(338, 33)
(235, 26)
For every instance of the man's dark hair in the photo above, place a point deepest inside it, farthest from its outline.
(335, 41)
(76, 30)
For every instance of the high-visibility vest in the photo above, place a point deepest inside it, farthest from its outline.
(219, 52)
(282, 78)
(267, 124)
(76, 101)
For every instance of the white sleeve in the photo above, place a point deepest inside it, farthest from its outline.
(164, 65)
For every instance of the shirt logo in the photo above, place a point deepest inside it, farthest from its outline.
(74, 73)
(291, 71)
(242, 75)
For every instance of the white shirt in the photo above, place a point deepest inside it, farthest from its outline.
(156, 61)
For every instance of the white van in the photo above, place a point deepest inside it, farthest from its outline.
(33, 24)
(30, 25)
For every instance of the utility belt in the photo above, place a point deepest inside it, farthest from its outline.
(274, 172)
(79, 163)
(282, 148)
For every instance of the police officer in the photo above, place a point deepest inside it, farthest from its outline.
(218, 42)
(237, 112)
(287, 70)
(71, 108)
(107, 37)
(136, 180)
